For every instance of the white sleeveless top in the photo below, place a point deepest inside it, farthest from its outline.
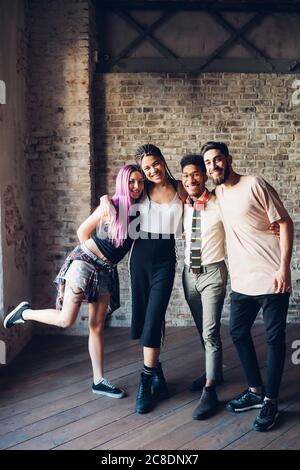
(163, 218)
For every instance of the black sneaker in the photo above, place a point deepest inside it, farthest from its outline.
(267, 416)
(106, 388)
(208, 404)
(199, 383)
(144, 400)
(245, 401)
(15, 316)
(159, 384)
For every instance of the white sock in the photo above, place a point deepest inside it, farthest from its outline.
(99, 381)
(25, 311)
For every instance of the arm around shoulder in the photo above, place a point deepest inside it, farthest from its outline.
(181, 191)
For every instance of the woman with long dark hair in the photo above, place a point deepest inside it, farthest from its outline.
(152, 263)
(152, 269)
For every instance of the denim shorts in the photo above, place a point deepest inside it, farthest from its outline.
(80, 273)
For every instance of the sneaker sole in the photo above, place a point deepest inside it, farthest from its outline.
(108, 394)
(8, 317)
(240, 410)
(269, 427)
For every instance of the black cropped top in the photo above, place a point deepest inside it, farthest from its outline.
(110, 251)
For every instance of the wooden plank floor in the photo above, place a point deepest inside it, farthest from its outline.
(46, 400)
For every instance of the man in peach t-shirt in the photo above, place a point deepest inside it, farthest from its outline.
(259, 267)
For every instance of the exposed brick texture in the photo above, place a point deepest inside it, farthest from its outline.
(252, 113)
(60, 150)
(81, 134)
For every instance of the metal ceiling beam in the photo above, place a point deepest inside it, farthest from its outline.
(145, 33)
(266, 7)
(230, 41)
(164, 51)
(239, 36)
(162, 65)
(170, 61)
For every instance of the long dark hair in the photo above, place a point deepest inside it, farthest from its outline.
(147, 150)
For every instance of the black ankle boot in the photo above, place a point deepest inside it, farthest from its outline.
(208, 404)
(159, 384)
(144, 400)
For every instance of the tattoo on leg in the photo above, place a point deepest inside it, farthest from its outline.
(77, 295)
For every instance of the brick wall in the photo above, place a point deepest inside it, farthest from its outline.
(60, 149)
(253, 113)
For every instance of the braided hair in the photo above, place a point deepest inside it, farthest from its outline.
(147, 150)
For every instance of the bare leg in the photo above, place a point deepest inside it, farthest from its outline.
(63, 318)
(97, 313)
(210, 383)
(151, 356)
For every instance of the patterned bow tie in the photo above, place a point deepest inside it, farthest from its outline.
(200, 203)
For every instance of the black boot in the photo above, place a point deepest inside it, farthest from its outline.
(208, 404)
(144, 400)
(159, 384)
(199, 383)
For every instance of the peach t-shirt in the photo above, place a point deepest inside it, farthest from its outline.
(247, 210)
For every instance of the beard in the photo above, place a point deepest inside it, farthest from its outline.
(222, 177)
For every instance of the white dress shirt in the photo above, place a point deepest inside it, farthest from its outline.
(212, 232)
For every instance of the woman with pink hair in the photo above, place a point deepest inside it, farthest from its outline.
(89, 274)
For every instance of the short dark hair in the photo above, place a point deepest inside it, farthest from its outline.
(193, 159)
(211, 145)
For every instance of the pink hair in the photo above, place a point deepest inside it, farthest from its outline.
(118, 229)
